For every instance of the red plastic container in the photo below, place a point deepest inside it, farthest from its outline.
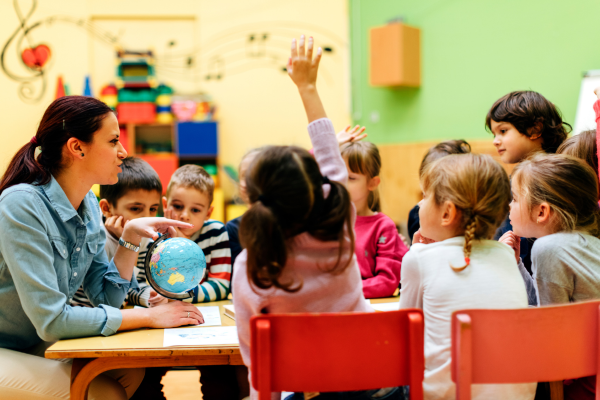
(137, 113)
(164, 164)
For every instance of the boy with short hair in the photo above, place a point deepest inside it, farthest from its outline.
(523, 123)
(136, 195)
(189, 198)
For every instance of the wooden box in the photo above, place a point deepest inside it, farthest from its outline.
(395, 55)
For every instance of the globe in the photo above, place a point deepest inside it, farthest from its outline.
(175, 266)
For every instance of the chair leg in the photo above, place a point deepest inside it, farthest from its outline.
(556, 390)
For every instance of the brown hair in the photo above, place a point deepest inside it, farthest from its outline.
(479, 188)
(582, 146)
(443, 149)
(192, 176)
(285, 187)
(70, 116)
(363, 158)
(567, 184)
(526, 110)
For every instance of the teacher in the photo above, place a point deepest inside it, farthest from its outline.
(52, 241)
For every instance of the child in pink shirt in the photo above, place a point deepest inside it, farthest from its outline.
(298, 235)
(379, 249)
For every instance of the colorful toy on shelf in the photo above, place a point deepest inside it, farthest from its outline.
(87, 87)
(163, 104)
(193, 108)
(108, 95)
(135, 69)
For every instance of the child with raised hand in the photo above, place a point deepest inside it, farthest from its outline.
(379, 249)
(465, 199)
(555, 199)
(436, 152)
(523, 123)
(135, 195)
(298, 236)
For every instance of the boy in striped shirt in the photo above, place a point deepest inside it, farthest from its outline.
(189, 198)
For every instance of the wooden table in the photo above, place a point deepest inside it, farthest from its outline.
(136, 349)
(140, 349)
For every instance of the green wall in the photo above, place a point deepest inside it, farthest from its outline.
(472, 53)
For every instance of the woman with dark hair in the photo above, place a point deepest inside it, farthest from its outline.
(52, 242)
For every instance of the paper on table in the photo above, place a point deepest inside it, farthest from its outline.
(211, 314)
(221, 336)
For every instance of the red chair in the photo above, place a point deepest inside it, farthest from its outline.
(337, 352)
(525, 345)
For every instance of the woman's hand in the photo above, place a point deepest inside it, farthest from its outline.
(174, 314)
(418, 238)
(150, 227)
(351, 134)
(514, 242)
(302, 68)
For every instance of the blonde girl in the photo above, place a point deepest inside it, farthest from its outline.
(555, 199)
(465, 199)
(379, 249)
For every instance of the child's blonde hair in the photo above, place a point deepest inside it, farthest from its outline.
(567, 184)
(192, 176)
(363, 158)
(582, 146)
(479, 188)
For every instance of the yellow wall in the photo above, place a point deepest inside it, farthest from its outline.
(258, 104)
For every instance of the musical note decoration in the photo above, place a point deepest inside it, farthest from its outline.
(35, 57)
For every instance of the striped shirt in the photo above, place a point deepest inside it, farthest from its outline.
(214, 242)
(137, 296)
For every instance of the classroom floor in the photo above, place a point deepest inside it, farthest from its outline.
(182, 385)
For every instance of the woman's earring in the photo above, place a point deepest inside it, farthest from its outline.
(84, 155)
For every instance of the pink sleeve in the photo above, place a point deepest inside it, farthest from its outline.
(597, 110)
(327, 153)
(386, 278)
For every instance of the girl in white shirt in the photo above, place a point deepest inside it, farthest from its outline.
(465, 198)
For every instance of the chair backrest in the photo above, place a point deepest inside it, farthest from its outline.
(524, 345)
(337, 352)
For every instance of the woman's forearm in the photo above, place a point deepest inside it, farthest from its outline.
(126, 259)
(135, 319)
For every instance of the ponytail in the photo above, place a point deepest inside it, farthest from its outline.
(70, 116)
(285, 187)
(264, 241)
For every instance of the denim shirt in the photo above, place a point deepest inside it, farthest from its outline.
(47, 250)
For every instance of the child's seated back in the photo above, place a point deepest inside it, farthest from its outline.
(136, 195)
(189, 199)
(379, 249)
(466, 197)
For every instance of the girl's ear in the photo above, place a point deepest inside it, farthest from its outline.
(164, 201)
(450, 214)
(541, 213)
(374, 183)
(106, 208)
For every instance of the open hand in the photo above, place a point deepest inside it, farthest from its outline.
(351, 134)
(302, 68)
(174, 314)
(513, 241)
(115, 225)
(150, 227)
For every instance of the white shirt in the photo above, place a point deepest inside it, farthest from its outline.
(491, 281)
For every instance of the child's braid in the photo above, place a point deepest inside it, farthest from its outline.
(469, 237)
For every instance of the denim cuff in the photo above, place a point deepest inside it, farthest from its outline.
(114, 318)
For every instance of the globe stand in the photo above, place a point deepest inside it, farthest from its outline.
(170, 295)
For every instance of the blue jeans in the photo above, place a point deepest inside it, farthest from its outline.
(399, 393)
